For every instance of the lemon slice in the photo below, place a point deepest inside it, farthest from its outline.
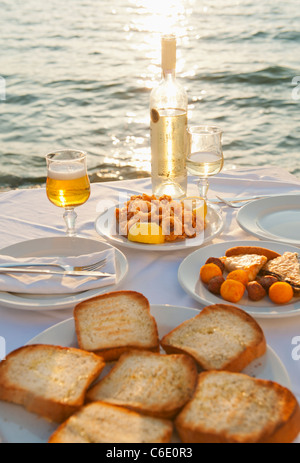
(196, 204)
(148, 233)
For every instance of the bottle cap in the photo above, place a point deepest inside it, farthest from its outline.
(168, 53)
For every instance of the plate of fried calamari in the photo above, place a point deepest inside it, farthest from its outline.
(150, 223)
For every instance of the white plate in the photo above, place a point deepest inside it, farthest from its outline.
(188, 276)
(63, 247)
(106, 226)
(19, 426)
(275, 219)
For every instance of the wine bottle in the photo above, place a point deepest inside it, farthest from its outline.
(168, 126)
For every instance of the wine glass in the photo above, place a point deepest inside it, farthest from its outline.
(205, 154)
(68, 185)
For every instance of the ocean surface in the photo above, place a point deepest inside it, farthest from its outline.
(78, 74)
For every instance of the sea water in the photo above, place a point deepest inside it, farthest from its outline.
(78, 74)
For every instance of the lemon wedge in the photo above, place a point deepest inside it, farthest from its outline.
(197, 205)
(148, 233)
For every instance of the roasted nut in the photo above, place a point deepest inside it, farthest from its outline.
(255, 291)
(267, 281)
(216, 261)
(214, 286)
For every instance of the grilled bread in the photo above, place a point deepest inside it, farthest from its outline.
(114, 323)
(153, 384)
(221, 337)
(105, 423)
(50, 381)
(235, 408)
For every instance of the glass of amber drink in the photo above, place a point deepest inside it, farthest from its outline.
(68, 184)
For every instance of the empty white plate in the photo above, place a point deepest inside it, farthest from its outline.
(275, 219)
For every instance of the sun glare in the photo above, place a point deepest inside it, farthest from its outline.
(149, 20)
(161, 16)
(156, 17)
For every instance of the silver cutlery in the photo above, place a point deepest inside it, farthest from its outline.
(233, 204)
(237, 203)
(66, 268)
(69, 270)
(54, 272)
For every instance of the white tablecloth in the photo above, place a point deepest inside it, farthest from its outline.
(27, 214)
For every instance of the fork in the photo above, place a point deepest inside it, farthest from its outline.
(67, 268)
(236, 204)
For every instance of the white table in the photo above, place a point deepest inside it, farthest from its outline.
(27, 214)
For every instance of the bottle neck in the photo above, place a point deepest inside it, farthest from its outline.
(168, 75)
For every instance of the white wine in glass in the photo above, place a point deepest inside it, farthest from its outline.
(205, 155)
(68, 185)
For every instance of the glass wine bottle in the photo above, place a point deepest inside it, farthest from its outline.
(168, 113)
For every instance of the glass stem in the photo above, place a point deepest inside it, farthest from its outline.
(70, 217)
(203, 186)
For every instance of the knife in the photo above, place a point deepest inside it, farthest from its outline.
(54, 272)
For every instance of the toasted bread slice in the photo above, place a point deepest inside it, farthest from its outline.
(114, 323)
(105, 423)
(242, 250)
(50, 381)
(153, 384)
(221, 337)
(235, 408)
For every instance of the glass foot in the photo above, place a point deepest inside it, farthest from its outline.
(70, 217)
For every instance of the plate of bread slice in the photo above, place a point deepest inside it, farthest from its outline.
(263, 278)
(122, 371)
